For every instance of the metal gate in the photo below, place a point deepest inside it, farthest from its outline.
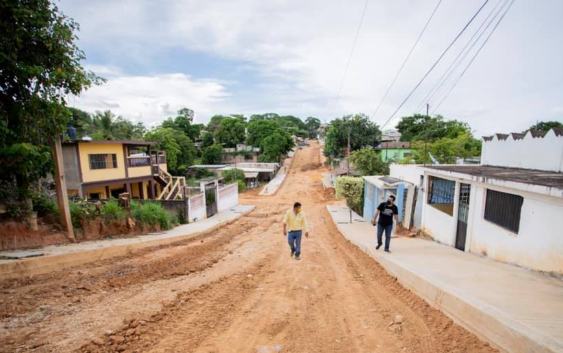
(211, 199)
(462, 216)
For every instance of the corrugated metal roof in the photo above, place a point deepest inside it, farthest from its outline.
(519, 175)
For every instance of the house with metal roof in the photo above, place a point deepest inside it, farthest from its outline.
(509, 208)
(105, 169)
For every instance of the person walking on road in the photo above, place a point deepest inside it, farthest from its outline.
(294, 224)
(386, 211)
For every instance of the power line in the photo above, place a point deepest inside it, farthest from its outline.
(455, 63)
(436, 63)
(474, 56)
(406, 59)
(351, 53)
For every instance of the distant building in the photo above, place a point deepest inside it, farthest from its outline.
(390, 135)
(394, 151)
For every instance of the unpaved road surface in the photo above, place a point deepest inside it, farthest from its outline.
(236, 290)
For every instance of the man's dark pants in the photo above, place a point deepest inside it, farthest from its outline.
(294, 240)
(387, 230)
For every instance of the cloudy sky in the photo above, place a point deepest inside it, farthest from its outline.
(289, 57)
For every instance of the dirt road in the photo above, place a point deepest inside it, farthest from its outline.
(232, 290)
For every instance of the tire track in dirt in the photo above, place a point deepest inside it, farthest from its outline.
(245, 293)
(158, 267)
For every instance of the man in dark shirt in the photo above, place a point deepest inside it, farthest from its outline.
(387, 211)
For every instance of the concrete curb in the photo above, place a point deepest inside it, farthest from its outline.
(481, 319)
(282, 182)
(42, 265)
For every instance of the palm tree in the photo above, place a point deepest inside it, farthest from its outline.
(106, 125)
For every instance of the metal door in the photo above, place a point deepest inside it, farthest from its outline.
(211, 199)
(462, 216)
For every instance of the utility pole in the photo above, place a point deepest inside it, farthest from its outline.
(348, 154)
(426, 133)
(60, 186)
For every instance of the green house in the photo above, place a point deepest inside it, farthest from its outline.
(394, 151)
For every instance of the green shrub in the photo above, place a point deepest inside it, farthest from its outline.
(43, 205)
(80, 213)
(352, 189)
(111, 211)
(241, 186)
(152, 213)
(235, 176)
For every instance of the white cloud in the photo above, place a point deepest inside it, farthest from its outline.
(150, 99)
(300, 49)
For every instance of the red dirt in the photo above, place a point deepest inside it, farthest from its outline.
(235, 289)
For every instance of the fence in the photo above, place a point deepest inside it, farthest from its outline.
(196, 207)
(227, 197)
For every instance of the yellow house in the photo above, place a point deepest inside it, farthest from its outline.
(105, 169)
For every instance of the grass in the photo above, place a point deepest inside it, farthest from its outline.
(80, 213)
(152, 213)
(111, 211)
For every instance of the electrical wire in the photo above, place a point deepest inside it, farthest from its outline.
(455, 63)
(351, 54)
(435, 63)
(405, 61)
(474, 56)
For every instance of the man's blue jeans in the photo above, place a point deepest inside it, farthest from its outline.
(294, 240)
(387, 230)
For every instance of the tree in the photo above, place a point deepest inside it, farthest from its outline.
(545, 126)
(274, 146)
(40, 66)
(187, 152)
(368, 162)
(363, 133)
(207, 140)
(106, 126)
(212, 154)
(230, 132)
(235, 176)
(419, 127)
(313, 125)
(259, 129)
(351, 189)
(180, 149)
(447, 150)
(184, 122)
(270, 137)
(166, 138)
(80, 120)
(215, 122)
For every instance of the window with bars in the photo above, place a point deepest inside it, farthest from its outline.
(504, 209)
(103, 161)
(441, 193)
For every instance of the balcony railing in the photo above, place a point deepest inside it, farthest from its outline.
(161, 159)
(139, 161)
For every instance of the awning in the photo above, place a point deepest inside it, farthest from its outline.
(250, 175)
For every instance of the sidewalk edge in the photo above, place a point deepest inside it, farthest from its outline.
(42, 265)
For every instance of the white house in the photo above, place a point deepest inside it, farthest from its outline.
(510, 208)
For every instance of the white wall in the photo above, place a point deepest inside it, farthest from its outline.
(539, 242)
(436, 223)
(196, 207)
(531, 153)
(227, 197)
(407, 172)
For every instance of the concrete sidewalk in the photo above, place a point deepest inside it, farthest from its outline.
(58, 257)
(515, 309)
(272, 187)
